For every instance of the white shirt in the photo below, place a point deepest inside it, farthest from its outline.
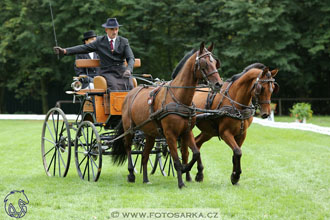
(91, 55)
(113, 41)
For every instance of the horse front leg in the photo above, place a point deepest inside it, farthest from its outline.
(189, 140)
(235, 176)
(200, 139)
(185, 156)
(236, 159)
(172, 144)
(145, 157)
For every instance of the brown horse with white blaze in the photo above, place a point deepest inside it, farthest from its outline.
(231, 112)
(167, 111)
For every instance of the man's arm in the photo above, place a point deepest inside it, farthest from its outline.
(129, 57)
(80, 49)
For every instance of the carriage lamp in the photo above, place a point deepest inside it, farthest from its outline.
(76, 85)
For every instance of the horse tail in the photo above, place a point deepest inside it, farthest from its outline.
(119, 155)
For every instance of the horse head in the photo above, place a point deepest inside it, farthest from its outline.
(264, 86)
(206, 67)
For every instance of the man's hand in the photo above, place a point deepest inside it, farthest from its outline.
(59, 50)
(127, 74)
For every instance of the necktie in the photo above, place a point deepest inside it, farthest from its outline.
(111, 45)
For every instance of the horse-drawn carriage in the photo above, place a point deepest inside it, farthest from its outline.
(90, 134)
(156, 118)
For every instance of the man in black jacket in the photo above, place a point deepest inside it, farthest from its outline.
(113, 50)
(88, 37)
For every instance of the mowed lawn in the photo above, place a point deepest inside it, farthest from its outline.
(285, 176)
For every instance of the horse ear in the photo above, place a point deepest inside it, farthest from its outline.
(274, 72)
(201, 47)
(211, 47)
(265, 70)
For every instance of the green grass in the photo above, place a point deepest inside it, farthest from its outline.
(317, 120)
(285, 176)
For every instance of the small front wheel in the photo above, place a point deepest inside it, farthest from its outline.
(88, 152)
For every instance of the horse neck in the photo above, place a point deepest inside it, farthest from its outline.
(185, 78)
(241, 89)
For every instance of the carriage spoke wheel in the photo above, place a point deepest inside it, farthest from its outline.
(168, 165)
(155, 159)
(88, 152)
(152, 162)
(56, 143)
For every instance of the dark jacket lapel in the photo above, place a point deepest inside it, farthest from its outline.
(117, 42)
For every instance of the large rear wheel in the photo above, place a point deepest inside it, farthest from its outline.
(56, 143)
(88, 152)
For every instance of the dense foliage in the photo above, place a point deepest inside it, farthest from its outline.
(291, 35)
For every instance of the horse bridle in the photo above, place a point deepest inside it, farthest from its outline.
(202, 69)
(258, 87)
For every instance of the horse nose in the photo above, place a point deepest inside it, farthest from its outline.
(217, 86)
(264, 115)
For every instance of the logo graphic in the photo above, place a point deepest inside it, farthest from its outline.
(13, 199)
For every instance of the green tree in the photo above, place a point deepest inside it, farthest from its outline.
(293, 36)
(31, 66)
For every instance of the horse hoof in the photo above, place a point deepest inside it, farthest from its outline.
(147, 182)
(234, 179)
(181, 185)
(131, 179)
(199, 177)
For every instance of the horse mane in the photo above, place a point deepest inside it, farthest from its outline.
(246, 69)
(182, 62)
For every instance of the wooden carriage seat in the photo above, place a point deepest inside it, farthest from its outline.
(100, 83)
(102, 103)
(83, 63)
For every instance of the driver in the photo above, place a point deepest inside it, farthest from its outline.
(113, 51)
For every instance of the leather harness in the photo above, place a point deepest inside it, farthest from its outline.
(231, 111)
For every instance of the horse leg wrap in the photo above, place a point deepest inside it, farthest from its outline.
(237, 164)
(131, 176)
(187, 168)
(237, 151)
(200, 176)
(196, 156)
(178, 166)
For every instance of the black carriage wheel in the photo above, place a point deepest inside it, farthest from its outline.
(137, 162)
(88, 152)
(155, 158)
(168, 165)
(158, 160)
(56, 143)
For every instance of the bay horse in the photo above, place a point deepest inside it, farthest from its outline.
(167, 111)
(233, 112)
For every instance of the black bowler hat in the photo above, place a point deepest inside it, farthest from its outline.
(88, 34)
(111, 23)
